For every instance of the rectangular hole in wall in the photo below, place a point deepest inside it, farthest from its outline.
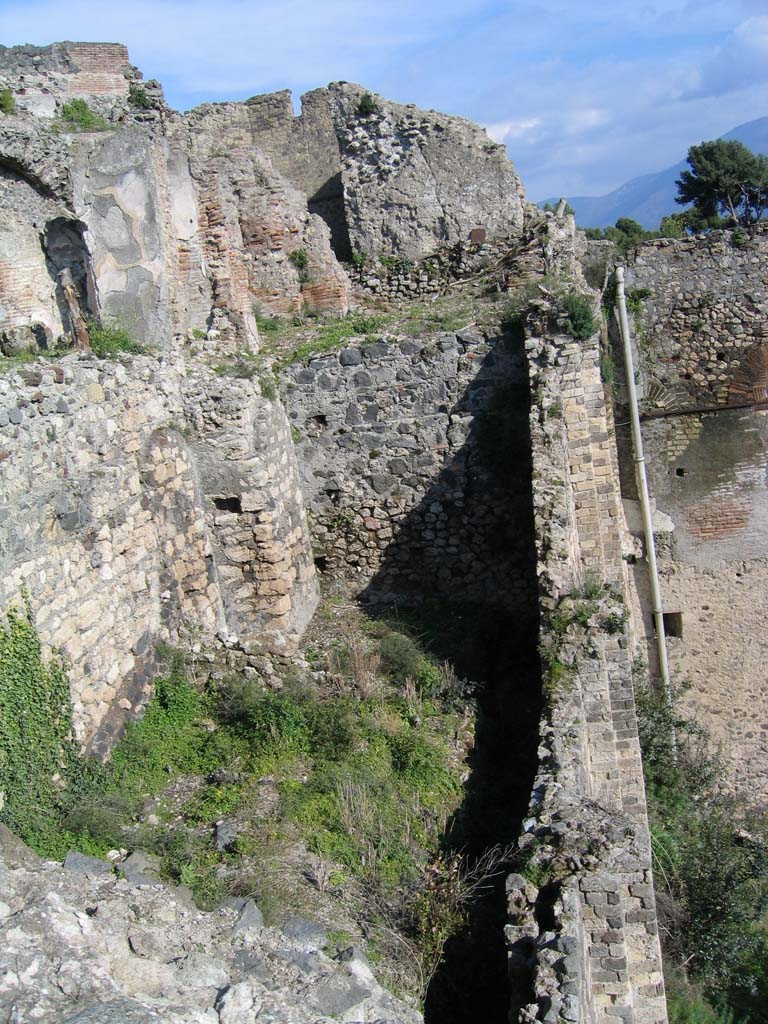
(228, 504)
(673, 624)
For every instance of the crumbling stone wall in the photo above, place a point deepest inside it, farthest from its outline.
(701, 308)
(394, 181)
(185, 224)
(140, 503)
(590, 927)
(41, 77)
(703, 314)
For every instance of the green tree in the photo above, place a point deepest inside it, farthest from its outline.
(725, 178)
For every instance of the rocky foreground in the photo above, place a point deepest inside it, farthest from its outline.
(81, 945)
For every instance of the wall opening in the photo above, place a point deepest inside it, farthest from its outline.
(228, 504)
(328, 204)
(673, 624)
(67, 259)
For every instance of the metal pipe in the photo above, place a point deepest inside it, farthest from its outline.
(642, 487)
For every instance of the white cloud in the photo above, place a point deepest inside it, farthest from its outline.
(505, 130)
(741, 61)
(584, 95)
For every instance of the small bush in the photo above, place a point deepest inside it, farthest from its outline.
(139, 98)
(7, 102)
(78, 115)
(739, 239)
(581, 320)
(299, 258)
(367, 105)
(400, 656)
(606, 368)
(109, 339)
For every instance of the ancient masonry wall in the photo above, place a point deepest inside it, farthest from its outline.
(38, 76)
(142, 502)
(590, 926)
(395, 181)
(701, 341)
(415, 460)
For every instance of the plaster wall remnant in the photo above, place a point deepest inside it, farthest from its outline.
(700, 334)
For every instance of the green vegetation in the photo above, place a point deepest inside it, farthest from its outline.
(265, 323)
(711, 868)
(367, 105)
(139, 98)
(110, 338)
(624, 234)
(7, 102)
(38, 755)
(725, 179)
(334, 334)
(367, 776)
(78, 115)
(581, 319)
(299, 258)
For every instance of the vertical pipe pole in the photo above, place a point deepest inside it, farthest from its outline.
(642, 485)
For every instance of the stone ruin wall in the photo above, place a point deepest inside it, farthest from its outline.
(398, 181)
(160, 499)
(41, 76)
(701, 340)
(144, 503)
(180, 224)
(590, 930)
(398, 447)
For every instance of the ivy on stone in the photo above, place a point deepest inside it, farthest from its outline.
(38, 752)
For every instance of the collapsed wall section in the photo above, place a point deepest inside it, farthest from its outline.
(389, 179)
(110, 527)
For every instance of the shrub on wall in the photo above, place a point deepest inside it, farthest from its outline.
(581, 321)
(78, 115)
(7, 102)
(109, 339)
(38, 755)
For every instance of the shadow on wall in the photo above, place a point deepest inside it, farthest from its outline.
(67, 260)
(461, 570)
(470, 537)
(328, 204)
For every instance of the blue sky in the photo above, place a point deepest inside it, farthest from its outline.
(585, 94)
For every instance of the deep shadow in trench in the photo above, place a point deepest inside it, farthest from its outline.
(481, 613)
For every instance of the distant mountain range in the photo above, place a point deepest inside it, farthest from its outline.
(652, 196)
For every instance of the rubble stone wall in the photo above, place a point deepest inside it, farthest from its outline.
(42, 77)
(142, 503)
(415, 461)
